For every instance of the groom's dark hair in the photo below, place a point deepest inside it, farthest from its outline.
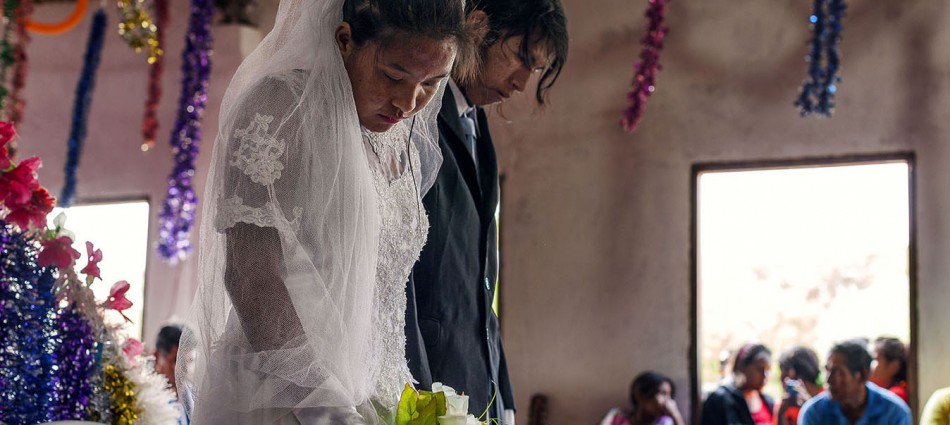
(540, 22)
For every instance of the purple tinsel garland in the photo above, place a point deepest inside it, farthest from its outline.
(644, 80)
(76, 356)
(178, 212)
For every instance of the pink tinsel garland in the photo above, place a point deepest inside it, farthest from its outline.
(643, 81)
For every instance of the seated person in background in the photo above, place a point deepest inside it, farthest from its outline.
(937, 410)
(889, 368)
(166, 356)
(740, 400)
(166, 353)
(800, 372)
(851, 398)
(651, 395)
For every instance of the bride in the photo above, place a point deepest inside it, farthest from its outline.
(312, 217)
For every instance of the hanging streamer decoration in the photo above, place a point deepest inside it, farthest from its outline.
(644, 81)
(67, 24)
(137, 29)
(178, 212)
(150, 123)
(817, 95)
(7, 55)
(87, 82)
(16, 104)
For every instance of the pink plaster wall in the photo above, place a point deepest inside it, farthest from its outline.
(595, 222)
(113, 166)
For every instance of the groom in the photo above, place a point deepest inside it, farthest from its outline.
(452, 331)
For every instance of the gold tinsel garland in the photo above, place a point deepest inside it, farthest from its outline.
(122, 396)
(137, 28)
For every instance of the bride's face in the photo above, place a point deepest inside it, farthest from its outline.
(393, 81)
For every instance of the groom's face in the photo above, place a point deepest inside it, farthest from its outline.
(504, 72)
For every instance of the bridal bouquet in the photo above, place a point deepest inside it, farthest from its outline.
(60, 360)
(442, 406)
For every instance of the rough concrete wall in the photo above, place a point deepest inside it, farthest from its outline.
(595, 222)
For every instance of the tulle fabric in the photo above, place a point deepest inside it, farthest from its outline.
(282, 326)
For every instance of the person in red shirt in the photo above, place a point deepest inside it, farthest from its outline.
(801, 375)
(889, 368)
(740, 400)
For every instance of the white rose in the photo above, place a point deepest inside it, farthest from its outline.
(437, 387)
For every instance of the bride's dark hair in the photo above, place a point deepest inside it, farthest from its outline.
(390, 21)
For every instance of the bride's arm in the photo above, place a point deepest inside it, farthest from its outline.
(253, 278)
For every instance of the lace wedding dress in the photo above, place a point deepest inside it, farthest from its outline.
(291, 324)
(309, 228)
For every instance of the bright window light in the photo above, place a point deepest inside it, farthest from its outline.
(807, 255)
(120, 230)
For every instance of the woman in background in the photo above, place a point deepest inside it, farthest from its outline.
(740, 400)
(889, 368)
(651, 396)
(800, 375)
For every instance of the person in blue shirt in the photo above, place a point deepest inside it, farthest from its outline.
(851, 399)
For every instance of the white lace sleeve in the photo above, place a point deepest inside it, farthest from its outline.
(256, 163)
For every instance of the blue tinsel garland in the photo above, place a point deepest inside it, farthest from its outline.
(178, 211)
(87, 82)
(818, 90)
(29, 388)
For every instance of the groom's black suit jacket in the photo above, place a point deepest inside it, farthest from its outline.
(452, 332)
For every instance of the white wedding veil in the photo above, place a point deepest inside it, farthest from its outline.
(281, 322)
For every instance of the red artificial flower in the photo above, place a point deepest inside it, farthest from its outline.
(4, 158)
(117, 300)
(92, 268)
(58, 252)
(7, 133)
(34, 211)
(17, 185)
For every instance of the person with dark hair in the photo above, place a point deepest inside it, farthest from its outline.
(740, 400)
(651, 399)
(889, 368)
(166, 353)
(452, 331)
(801, 375)
(327, 142)
(851, 399)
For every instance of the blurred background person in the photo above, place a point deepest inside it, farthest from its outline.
(651, 399)
(740, 400)
(937, 410)
(851, 398)
(889, 368)
(801, 377)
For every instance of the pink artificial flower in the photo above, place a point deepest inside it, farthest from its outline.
(132, 348)
(58, 252)
(94, 257)
(117, 300)
(17, 185)
(33, 211)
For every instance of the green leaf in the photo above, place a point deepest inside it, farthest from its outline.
(406, 410)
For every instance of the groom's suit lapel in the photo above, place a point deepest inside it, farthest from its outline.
(489, 170)
(451, 127)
